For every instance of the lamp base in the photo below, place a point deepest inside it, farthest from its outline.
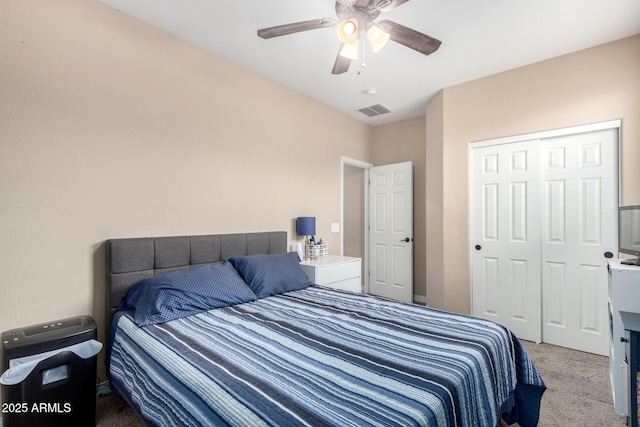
(306, 249)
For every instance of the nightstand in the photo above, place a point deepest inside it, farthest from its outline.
(335, 271)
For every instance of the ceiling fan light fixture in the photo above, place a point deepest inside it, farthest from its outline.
(350, 50)
(348, 31)
(377, 38)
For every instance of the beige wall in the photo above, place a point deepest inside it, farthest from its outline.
(111, 128)
(353, 221)
(434, 209)
(354, 209)
(593, 85)
(400, 142)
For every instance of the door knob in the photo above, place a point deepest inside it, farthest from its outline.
(406, 239)
(478, 247)
(608, 255)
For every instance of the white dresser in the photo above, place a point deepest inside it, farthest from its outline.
(335, 271)
(624, 295)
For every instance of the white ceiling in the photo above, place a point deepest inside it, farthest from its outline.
(479, 38)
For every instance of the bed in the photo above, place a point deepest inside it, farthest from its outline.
(223, 330)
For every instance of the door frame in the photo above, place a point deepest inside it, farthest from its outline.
(365, 167)
(592, 127)
(541, 135)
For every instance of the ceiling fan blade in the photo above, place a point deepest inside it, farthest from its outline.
(342, 63)
(296, 27)
(410, 38)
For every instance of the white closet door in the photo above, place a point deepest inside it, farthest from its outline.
(579, 227)
(544, 214)
(506, 236)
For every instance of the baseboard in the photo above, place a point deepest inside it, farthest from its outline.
(420, 299)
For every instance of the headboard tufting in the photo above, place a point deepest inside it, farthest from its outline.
(130, 260)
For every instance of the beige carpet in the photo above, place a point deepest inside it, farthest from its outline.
(112, 411)
(578, 388)
(578, 392)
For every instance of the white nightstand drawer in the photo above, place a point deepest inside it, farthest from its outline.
(353, 285)
(334, 273)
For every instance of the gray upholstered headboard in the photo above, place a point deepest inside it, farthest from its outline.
(130, 260)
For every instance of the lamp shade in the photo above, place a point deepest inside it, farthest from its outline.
(350, 50)
(377, 38)
(306, 225)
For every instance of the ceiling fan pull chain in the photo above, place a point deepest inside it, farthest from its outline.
(362, 48)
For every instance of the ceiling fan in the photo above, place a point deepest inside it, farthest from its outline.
(355, 20)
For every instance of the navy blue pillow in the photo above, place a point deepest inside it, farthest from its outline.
(271, 274)
(183, 293)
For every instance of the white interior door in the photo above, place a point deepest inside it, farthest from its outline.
(579, 227)
(506, 224)
(391, 231)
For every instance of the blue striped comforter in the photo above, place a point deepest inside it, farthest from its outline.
(320, 357)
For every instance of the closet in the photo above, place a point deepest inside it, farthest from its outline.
(543, 223)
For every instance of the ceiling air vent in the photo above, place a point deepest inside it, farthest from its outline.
(374, 110)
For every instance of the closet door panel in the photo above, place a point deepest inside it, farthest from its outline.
(544, 213)
(580, 219)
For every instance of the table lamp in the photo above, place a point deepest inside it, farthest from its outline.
(306, 226)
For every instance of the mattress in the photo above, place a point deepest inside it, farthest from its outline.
(322, 357)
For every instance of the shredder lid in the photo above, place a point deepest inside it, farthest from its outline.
(21, 367)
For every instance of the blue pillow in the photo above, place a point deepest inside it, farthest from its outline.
(271, 274)
(183, 293)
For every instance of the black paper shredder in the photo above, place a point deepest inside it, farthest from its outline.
(61, 389)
